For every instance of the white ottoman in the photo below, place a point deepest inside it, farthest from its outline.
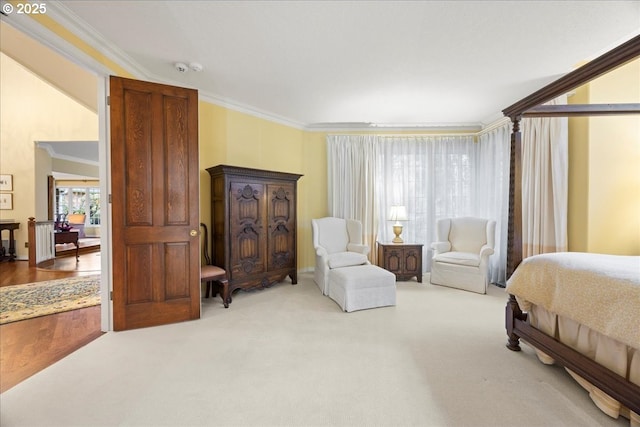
(362, 286)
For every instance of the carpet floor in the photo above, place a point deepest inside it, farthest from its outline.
(31, 300)
(288, 356)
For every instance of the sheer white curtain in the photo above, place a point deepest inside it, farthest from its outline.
(351, 175)
(544, 183)
(433, 176)
(405, 179)
(492, 195)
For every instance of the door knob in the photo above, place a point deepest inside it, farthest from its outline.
(193, 233)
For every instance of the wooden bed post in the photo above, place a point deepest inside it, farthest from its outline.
(514, 233)
(513, 312)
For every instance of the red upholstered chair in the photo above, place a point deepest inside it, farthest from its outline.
(214, 277)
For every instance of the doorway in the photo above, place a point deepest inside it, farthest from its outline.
(67, 90)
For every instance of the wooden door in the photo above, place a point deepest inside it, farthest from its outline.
(155, 204)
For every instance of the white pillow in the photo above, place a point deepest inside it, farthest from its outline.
(346, 259)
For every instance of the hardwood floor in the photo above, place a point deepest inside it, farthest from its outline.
(29, 346)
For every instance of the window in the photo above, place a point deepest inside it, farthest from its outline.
(94, 206)
(62, 202)
(78, 200)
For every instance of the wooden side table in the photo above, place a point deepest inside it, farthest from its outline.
(67, 237)
(402, 259)
(11, 254)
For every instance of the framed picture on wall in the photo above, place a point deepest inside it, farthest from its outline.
(6, 201)
(6, 182)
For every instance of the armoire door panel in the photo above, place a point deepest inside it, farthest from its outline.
(247, 253)
(247, 229)
(281, 225)
(247, 205)
(280, 201)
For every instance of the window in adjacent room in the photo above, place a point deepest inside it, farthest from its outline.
(79, 200)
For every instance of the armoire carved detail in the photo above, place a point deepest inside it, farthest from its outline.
(253, 214)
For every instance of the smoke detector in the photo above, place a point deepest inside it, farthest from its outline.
(193, 66)
(181, 67)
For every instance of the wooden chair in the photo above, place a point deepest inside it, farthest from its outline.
(210, 273)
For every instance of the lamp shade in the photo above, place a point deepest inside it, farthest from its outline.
(398, 213)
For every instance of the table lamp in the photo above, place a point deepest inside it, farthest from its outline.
(397, 214)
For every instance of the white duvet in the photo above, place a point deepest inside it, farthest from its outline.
(598, 291)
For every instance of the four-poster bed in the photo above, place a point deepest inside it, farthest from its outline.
(624, 388)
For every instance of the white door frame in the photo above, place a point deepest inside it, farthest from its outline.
(104, 170)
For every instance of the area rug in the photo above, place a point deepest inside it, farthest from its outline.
(37, 299)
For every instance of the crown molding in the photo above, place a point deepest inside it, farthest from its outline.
(73, 23)
(391, 127)
(247, 109)
(54, 155)
(34, 29)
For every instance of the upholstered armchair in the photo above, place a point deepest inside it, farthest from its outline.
(76, 221)
(338, 243)
(461, 253)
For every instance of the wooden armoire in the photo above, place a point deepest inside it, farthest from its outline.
(253, 216)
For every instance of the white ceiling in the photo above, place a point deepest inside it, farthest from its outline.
(334, 63)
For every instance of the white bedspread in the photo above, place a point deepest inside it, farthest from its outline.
(598, 291)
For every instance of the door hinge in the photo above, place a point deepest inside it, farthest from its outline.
(108, 100)
(110, 295)
(109, 198)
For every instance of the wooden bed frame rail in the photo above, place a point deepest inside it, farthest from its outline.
(606, 380)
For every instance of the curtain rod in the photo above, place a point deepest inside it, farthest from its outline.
(498, 123)
(403, 134)
(491, 126)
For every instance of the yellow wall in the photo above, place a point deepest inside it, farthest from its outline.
(578, 197)
(604, 165)
(314, 203)
(238, 139)
(32, 110)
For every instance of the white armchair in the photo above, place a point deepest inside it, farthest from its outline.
(338, 243)
(461, 253)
